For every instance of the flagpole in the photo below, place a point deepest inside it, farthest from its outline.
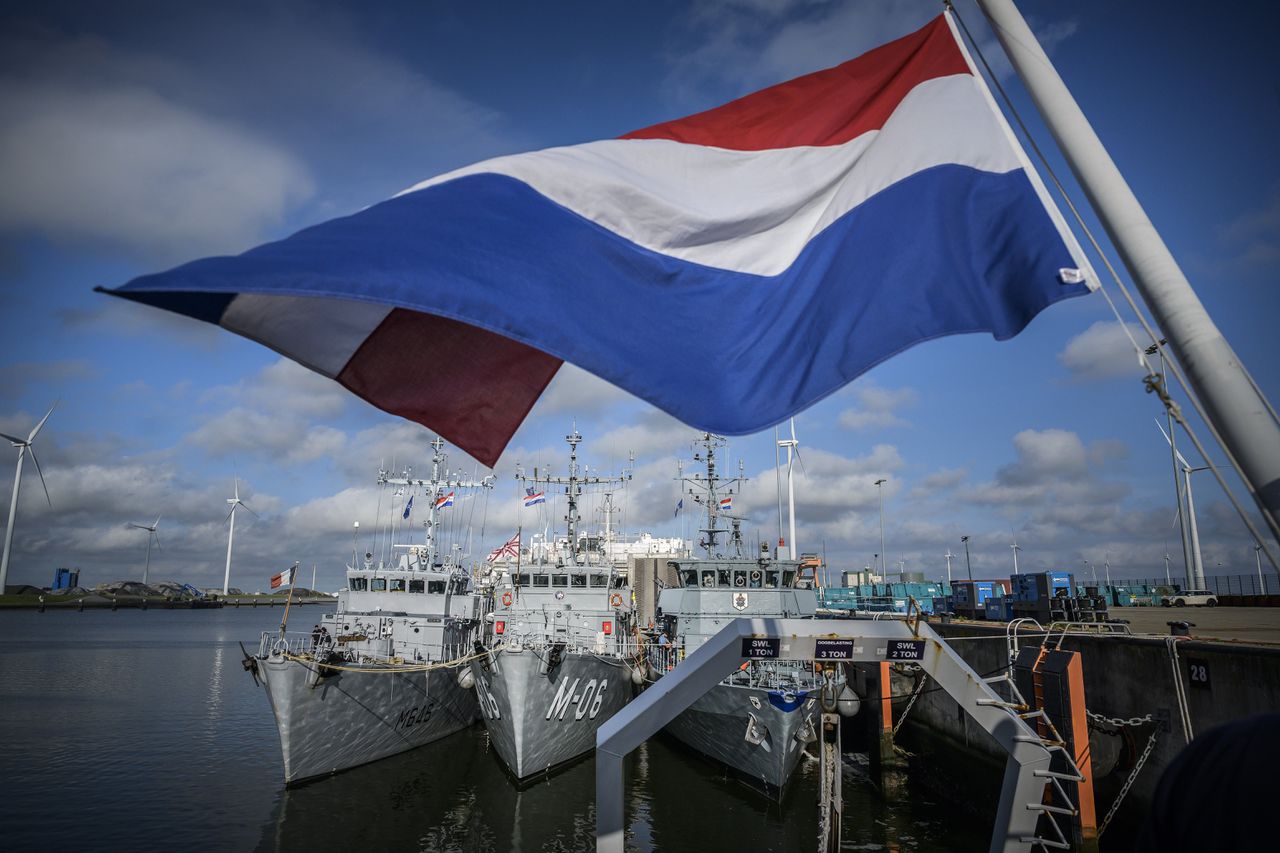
(293, 577)
(1233, 404)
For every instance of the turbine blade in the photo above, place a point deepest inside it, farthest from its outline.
(1184, 462)
(139, 526)
(17, 442)
(246, 506)
(36, 462)
(233, 512)
(801, 460)
(157, 536)
(32, 437)
(157, 524)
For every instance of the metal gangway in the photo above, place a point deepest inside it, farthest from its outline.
(1033, 796)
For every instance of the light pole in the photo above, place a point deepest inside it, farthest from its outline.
(880, 487)
(967, 565)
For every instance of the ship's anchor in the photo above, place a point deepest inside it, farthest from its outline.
(250, 664)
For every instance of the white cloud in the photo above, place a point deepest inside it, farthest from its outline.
(877, 406)
(286, 439)
(129, 168)
(1103, 351)
(574, 391)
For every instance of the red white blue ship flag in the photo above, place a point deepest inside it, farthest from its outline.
(533, 498)
(824, 224)
(726, 504)
(444, 501)
(285, 578)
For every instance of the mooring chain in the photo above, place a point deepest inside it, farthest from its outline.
(907, 710)
(1118, 722)
(1128, 783)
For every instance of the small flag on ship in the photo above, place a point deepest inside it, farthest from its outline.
(511, 548)
(285, 578)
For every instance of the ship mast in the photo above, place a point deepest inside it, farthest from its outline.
(434, 489)
(573, 487)
(707, 490)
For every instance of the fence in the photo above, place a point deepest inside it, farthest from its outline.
(1249, 584)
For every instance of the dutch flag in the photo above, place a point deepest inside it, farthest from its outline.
(444, 501)
(862, 209)
(726, 504)
(535, 499)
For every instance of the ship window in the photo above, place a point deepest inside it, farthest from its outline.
(397, 584)
(723, 577)
(788, 578)
(771, 579)
(739, 578)
(579, 580)
(559, 580)
(359, 584)
(378, 584)
(417, 586)
(542, 580)
(522, 580)
(690, 578)
(709, 577)
(599, 581)
(435, 587)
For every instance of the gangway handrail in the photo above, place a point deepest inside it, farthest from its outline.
(1015, 829)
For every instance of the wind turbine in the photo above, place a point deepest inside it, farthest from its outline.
(793, 454)
(24, 447)
(1016, 548)
(1195, 572)
(949, 556)
(151, 534)
(231, 533)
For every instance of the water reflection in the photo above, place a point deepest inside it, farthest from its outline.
(452, 795)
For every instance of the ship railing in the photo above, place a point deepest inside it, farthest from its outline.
(764, 674)
(575, 642)
(291, 642)
(304, 644)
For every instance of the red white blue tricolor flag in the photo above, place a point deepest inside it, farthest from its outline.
(783, 243)
(726, 504)
(535, 498)
(444, 500)
(285, 578)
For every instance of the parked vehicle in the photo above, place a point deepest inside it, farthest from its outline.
(1192, 597)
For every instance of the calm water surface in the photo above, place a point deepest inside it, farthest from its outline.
(139, 730)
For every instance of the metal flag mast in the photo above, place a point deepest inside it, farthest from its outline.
(1234, 408)
(573, 488)
(435, 489)
(709, 487)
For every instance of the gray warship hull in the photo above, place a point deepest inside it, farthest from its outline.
(540, 719)
(352, 717)
(740, 727)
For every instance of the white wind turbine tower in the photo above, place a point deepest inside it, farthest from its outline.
(151, 534)
(1195, 571)
(24, 447)
(231, 533)
(793, 453)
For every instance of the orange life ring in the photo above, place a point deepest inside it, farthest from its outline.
(615, 600)
(506, 598)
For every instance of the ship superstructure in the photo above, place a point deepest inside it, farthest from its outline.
(562, 653)
(757, 721)
(381, 674)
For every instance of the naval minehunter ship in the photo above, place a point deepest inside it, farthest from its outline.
(562, 658)
(757, 721)
(386, 677)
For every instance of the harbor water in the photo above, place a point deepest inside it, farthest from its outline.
(139, 730)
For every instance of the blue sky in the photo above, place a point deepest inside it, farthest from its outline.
(140, 135)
